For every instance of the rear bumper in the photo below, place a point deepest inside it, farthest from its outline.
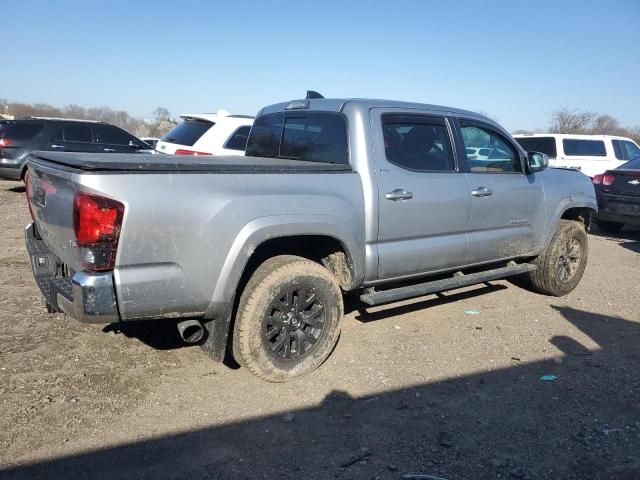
(87, 297)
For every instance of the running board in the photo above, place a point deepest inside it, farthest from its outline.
(457, 281)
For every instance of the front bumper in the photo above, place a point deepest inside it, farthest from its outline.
(87, 297)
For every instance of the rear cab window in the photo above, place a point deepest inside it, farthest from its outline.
(300, 135)
(539, 144)
(583, 148)
(188, 132)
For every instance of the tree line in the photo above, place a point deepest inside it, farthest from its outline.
(586, 122)
(160, 124)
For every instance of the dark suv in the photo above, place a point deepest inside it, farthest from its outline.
(18, 138)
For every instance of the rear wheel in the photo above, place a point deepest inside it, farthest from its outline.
(288, 319)
(561, 265)
(606, 226)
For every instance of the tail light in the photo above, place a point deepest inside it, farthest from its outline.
(603, 180)
(181, 151)
(97, 222)
(5, 142)
(27, 190)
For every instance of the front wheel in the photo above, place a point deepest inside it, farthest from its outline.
(561, 265)
(288, 319)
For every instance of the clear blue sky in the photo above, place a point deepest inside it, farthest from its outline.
(516, 61)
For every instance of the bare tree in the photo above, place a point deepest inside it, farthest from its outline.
(565, 120)
(605, 125)
(161, 114)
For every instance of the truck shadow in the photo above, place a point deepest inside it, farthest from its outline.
(503, 423)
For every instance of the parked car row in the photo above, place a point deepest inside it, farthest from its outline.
(18, 138)
(589, 154)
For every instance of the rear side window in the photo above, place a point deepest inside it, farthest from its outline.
(238, 141)
(539, 144)
(20, 131)
(188, 132)
(587, 148)
(112, 135)
(418, 143)
(617, 149)
(307, 136)
(74, 133)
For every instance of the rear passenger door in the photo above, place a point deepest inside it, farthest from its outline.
(423, 201)
(507, 210)
(112, 139)
(73, 138)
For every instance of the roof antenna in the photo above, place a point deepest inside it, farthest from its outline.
(313, 95)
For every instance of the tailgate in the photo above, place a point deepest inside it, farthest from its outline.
(51, 195)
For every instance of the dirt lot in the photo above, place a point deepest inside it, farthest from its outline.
(419, 387)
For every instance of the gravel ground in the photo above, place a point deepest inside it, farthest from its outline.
(419, 387)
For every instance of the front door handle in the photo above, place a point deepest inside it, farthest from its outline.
(109, 150)
(481, 192)
(57, 147)
(399, 194)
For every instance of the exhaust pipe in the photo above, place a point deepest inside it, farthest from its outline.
(191, 331)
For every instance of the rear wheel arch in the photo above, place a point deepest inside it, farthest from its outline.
(325, 250)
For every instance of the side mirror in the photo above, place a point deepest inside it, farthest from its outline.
(536, 162)
(133, 144)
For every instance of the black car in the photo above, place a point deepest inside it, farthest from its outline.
(618, 192)
(18, 138)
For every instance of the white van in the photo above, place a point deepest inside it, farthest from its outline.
(590, 154)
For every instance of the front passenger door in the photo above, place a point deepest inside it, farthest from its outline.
(507, 206)
(114, 140)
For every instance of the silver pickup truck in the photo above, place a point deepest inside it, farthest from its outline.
(252, 254)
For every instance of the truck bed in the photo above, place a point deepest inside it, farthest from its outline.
(136, 163)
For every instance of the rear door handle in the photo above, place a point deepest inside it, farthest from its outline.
(109, 150)
(57, 147)
(399, 194)
(481, 192)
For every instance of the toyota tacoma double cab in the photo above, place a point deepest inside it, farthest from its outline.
(252, 255)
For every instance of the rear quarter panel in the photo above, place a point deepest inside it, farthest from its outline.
(186, 237)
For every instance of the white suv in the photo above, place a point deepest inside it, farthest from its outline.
(207, 134)
(590, 154)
